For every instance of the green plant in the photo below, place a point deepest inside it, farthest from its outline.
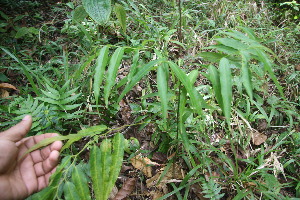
(212, 190)
(71, 180)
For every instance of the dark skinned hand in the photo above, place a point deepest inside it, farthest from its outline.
(20, 178)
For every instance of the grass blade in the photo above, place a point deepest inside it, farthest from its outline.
(112, 72)
(226, 88)
(25, 70)
(99, 71)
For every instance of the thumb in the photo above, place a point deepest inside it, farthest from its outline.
(18, 131)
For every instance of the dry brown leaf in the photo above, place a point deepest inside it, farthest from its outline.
(4, 93)
(174, 173)
(258, 138)
(155, 194)
(144, 164)
(7, 86)
(126, 189)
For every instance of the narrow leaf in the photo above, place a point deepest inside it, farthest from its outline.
(85, 65)
(246, 77)
(112, 72)
(99, 71)
(162, 86)
(268, 67)
(196, 99)
(226, 88)
(214, 77)
(116, 162)
(26, 71)
(121, 15)
(95, 168)
(105, 168)
(140, 74)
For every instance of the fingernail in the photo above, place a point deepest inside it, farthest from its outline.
(27, 117)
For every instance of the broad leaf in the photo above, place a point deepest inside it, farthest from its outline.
(80, 181)
(98, 10)
(70, 192)
(79, 14)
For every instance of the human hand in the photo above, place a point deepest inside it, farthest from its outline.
(21, 178)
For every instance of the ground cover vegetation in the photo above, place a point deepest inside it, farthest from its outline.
(158, 99)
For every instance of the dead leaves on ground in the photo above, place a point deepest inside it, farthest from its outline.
(258, 138)
(157, 177)
(7, 89)
(127, 188)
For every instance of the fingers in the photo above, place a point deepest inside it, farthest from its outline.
(18, 131)
(46, 167)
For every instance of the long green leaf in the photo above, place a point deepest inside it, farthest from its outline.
(95, 167)
(196, 99)
(25, 70)
(91, 131)
(106, 164)
(246, 76)
(85, 65)
(162, 86)
(81, 184)
(233, 43)
(135, 63)
(137, 77)
(99, 71)
(268, 67)
(226, 88)
(112, 72)
(70, 192)
(116, 163)
(121, 15)
(99, 10)
(214, 77)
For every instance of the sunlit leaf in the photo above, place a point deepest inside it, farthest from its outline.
(226, 87)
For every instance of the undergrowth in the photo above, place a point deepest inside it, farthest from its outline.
(211, 85)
